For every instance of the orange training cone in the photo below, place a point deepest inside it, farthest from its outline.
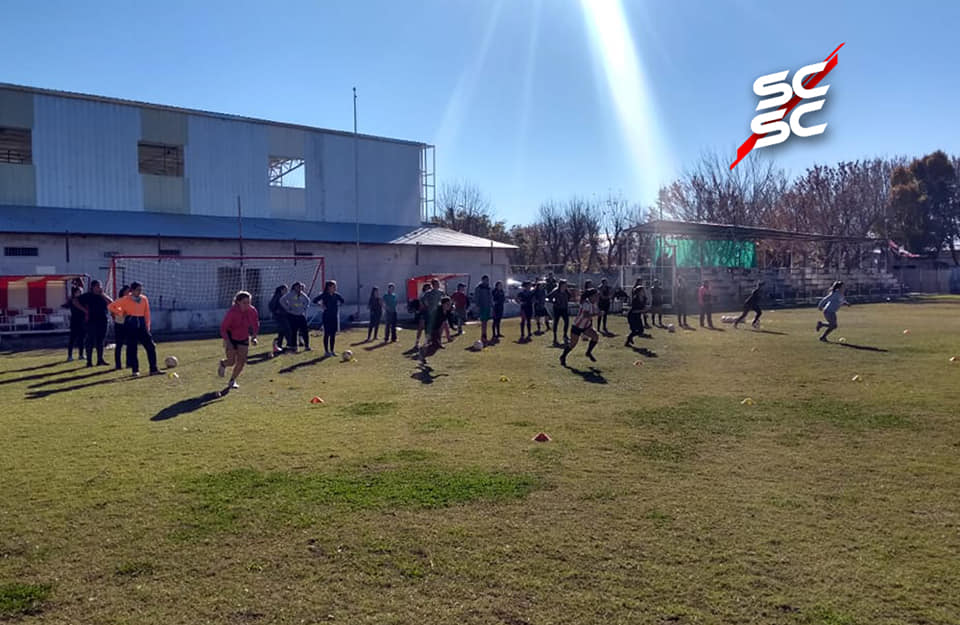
(542, 437)
(316, 400)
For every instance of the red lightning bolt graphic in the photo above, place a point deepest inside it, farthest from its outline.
(811, 82)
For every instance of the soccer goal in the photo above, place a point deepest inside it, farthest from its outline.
(210, 282)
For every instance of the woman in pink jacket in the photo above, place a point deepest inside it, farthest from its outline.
(240, 325)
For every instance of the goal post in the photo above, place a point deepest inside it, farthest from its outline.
(210, 282)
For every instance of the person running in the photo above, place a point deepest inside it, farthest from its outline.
(375, 304)
(752, 303)
(77, 322)
(390, 308)
(525, 299)
(606, 295)
(561, 310)
(444, 314)
(135, 308)
(540, 306)
(638, 303)
(484, 298)
(460, 303)
(656, 304)
(705, 299)
(119, 331)
(499, 297)
(295, 305)
(830, 305)
(331, 301)
(583, 325)
(239, 328)
(418, 308)
(94, 304)
(280, 317)
(430, 302)
(680, 302)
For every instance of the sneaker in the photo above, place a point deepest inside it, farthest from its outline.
(563, 359)
(156, 372)
(823, 339)
(233, 384)
(819, 325)
(103, 363)
(221, 370)
(307, 349)
(89, 364)
(135, 374)
(69, 358)
(334, 354)
(755, 324)
(275, 346)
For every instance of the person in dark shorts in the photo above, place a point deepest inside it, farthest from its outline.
(583, 325)
(752, 303)
(78, 323)
(94, 304)
(331, 302)
(680, 302)
(239, 327)
(499, 299)
(638, 303)
(280, 318)
(605, 295)
(540, 306)
(525, 299)
(656, 304)
(560, 297)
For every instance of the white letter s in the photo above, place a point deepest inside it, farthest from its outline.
(771, 84)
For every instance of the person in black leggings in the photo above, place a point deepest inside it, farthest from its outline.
(561, 310)
(94, 304)
(376, 313)
(280, 317)
(331, 301)
(78, 323)
(119, 334)
(499, 298)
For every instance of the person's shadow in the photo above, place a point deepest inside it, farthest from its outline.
(74, 378)
(768, 332)
(643, 351)
(591, 375)
(867, 348)
(191, 404)
(425, 374)
(40, 394)
(300, 365)
(377, 345)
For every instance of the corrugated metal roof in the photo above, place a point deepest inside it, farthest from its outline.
(176, 109)
(44, 220)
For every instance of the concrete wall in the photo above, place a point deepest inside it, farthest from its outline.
(379, 265)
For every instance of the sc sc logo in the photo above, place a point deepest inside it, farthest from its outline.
(771, 126)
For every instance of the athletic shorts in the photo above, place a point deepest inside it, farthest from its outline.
(541, 311)
(527, 311)
(604, 305)
(831, 317)
(577, 330)
(484, 313)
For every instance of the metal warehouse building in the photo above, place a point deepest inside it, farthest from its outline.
(86, 179)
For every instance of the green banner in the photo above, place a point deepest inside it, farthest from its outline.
(691, 253)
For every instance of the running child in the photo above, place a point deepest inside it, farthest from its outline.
(638, 303)
(419, 310)
(375, 304)
(830, 305)
(239, 326)
(390, 308)
(583, 325)
(561, 310)
(331, 301)
(752, 303)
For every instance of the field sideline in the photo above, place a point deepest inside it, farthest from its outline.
(415, 495)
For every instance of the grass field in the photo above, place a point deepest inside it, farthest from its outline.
(415, 494)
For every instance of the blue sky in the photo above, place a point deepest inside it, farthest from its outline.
(528, 99)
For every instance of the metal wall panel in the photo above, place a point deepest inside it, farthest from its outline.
(225, 159)
(85, 154)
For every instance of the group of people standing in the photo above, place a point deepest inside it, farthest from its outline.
(89, 319)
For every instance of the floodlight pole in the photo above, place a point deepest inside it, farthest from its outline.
(356, 192)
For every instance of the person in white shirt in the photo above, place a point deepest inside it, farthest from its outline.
(583, 325)
(830, 305)
(295, 304)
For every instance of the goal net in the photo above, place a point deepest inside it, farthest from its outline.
(210, 282)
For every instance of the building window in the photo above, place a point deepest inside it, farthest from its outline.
(16, 146)
(287, 172)
(21, 251)
(164, 252)
(158, 159)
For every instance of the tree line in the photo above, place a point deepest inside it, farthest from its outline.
(914, 202)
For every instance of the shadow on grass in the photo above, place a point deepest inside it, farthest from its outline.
(256, 359)
(425, 374)
(376, 345)
(74, 387)
(191, 404)
(643, 351)
(34, 368)
(591, 375)
(866, 348)
(36, 376)
(770, 332)
(305, 363)
(74, 378)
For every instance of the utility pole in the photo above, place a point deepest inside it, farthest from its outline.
(356, 191)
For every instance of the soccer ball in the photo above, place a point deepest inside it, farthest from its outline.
(347, 355)
(478, 346)
(671, 328)
(171, 362)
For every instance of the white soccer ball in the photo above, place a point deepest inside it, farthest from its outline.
(671, 328)
(171, 362)
(478, 346)
(347, 355)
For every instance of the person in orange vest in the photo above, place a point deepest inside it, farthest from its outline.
(134, 309)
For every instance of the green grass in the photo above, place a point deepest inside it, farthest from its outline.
(415, 494)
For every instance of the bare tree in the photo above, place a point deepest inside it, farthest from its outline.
(551, 224)
(465, 208)
(576, 216)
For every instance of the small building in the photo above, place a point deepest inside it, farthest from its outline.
(212, 202)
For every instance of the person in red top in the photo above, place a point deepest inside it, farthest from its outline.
(460, 303)
(239, 327)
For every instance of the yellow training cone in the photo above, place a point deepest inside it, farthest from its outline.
(842, 340)
(747, 402)
(504, 378)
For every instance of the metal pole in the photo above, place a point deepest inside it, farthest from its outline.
(356, 191)
(243, 285)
